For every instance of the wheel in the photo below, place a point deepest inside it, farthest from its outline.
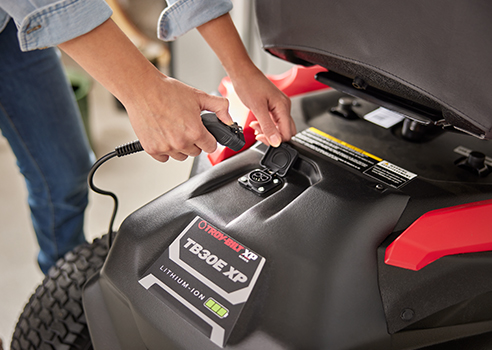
(54, 317)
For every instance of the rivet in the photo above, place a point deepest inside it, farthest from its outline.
(261, 189)
(29, 31)
(244, 179)
(407, 314)
(379, 187)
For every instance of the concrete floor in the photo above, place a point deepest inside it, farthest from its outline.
(135, 179)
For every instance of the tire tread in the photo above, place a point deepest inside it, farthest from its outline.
(54, 316)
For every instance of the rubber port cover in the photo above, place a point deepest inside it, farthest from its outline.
(279, 159)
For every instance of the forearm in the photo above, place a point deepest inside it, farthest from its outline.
(164, 112)
(222, 36)
(269, 105)
(111, 58)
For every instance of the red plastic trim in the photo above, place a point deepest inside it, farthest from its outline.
(455, 230)
(295, 81)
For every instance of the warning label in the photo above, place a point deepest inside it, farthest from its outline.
(390, 174)
(206, 276)
(354, 157)
(336, 149)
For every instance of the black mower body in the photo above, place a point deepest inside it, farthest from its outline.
(323, 233)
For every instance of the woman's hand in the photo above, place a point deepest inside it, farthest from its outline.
(270, 106)
(167, 120)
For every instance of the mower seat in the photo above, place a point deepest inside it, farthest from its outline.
(427, 60)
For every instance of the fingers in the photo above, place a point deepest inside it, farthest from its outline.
(180, 148)
(192, 151)
(271, 108)
(170, 125)
(206, 142)
(289, 130)
(269, 131)
(259, 136)
(285, 124)
(275, 126)
(161, 158)
(293, 128)
(179, 156)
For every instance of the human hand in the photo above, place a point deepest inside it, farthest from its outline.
(166, 118)
(164, 113)
(270, 106)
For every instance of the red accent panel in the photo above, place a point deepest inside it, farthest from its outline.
(295, 81)
(455, 230)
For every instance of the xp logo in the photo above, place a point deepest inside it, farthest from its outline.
(247, 255)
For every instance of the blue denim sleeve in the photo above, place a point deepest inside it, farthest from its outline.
(46, 23)
(4, 19)
(183, 15)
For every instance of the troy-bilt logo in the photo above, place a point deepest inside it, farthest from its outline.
(203, 225)
(247, 255)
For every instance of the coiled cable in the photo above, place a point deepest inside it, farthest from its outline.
(123, 150)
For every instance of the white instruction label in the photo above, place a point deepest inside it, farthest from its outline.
(354, 157)
(384, 117)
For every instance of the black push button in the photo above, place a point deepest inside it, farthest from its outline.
(475, 163)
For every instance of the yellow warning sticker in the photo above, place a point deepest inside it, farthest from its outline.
(354, 157)
(344, 143)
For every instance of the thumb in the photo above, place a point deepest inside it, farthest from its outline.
(218, 105)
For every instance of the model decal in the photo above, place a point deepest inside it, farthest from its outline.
(217, 333)
(203, 225)
(209, 273)
(214, 261)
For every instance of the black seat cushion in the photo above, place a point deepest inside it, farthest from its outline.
(436, 53)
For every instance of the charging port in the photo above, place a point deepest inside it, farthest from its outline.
(260, 181)
(260, 177)
(276, 162)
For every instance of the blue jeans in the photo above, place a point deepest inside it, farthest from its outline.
(40, 119)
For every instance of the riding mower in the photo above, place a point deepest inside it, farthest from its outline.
(368, 230)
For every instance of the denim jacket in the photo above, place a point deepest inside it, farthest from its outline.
(183, 15)
(45, 23)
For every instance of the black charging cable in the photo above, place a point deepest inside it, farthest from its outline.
(120, 151)
(228, 135)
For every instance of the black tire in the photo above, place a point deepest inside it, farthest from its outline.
(54, 317)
